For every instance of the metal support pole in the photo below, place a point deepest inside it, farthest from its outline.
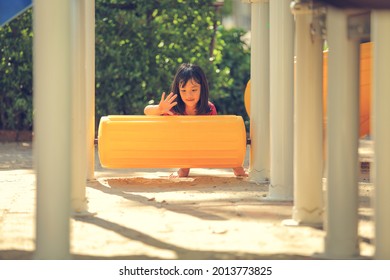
(341, 224)
(90, 85)
(52, 126)
(308, 165)
(381, 115)
(281, 100)
(259, 165)
(79, 153)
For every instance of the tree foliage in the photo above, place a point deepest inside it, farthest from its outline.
(139, 45)
(16, 73)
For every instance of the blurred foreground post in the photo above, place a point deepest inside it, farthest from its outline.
(342, 197)
(52, 126)
(380, 24)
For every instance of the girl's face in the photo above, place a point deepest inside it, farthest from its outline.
(190, 93)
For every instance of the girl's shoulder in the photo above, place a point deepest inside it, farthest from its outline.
(213, 110)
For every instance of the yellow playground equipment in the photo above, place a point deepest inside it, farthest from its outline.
(365, 88)
(198, 141)
(171, 141)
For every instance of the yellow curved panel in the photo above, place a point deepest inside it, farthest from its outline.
(171, 141)
(247, 98)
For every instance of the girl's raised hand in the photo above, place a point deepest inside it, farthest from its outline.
(167, 103)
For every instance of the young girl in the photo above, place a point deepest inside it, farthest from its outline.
(189, 96)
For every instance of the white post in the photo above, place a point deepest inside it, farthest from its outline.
(381, 130)
(308, 165)
(52, 126)
(90, 85)
(259, 166)
(341, 224)
(281, 100)
(79, 153)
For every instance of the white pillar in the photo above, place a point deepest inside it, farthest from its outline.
(308, 165)
(381, 130)
(281, 100)
(259, 166)
(341, 224)
(79, 153)
(90, 85)
(52, 126)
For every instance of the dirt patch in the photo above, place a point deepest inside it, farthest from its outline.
(142, 214)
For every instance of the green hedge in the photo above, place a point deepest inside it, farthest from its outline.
(16, 74)
(139, 45)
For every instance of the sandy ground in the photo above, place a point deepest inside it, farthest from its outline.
(142, 214)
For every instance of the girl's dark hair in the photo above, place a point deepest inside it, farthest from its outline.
(185, 73)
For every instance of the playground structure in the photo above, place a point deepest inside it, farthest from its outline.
(286, 133)
(365, 88)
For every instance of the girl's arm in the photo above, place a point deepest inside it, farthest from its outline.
(164, 107)
(152, 110)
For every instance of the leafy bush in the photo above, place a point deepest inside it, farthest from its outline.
(139, 45)
(235, 65)
(16, 73)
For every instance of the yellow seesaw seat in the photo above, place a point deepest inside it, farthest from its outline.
(171, 141)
